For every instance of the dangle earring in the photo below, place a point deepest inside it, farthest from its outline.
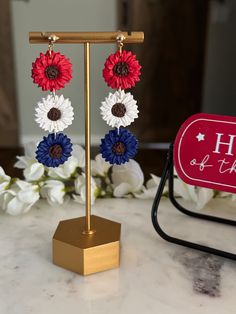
(51, 71)
(121, 71)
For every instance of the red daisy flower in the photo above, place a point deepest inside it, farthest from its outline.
(121, 70)
(51, 71)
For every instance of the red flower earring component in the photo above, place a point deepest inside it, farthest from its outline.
(51, 71)
(121, 71)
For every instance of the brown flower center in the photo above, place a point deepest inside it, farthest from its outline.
(121, 69)
(118, 148)
(54, 114)
(118, 110)
(52, 72)
(55, 151)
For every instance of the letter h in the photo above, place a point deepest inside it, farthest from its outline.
(229, 144)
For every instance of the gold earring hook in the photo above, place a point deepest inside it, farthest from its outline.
(119, 39)
(52, 38)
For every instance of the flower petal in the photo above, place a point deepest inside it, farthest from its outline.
(122, 189)
(34, 172)
(204, 196)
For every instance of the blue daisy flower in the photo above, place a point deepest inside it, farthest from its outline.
(118, 146)
(54, 150)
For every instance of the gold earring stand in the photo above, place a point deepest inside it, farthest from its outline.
(87, 244)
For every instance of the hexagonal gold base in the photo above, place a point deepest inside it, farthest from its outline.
(87, 253)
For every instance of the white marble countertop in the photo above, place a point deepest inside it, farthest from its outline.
(154, 276)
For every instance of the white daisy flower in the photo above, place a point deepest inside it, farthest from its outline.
(119, 109)
(54, 113)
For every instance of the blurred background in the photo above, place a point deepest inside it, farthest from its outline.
(188, 66)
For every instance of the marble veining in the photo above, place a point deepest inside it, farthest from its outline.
(154, 276)
(205, 270)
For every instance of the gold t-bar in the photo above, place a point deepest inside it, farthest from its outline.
(86, 38)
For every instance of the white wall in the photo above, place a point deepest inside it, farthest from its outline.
(220, 72)
(62, 15)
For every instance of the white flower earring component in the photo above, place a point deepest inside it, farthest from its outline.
(119, 109)
(54, 113)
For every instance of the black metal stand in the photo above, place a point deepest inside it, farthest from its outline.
(168, 174)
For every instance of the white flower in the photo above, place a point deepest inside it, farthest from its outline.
(19, 198)
(4, 180)
(64, 171)
(33, 170)
(204, 195)
(184, 190)
(5, 198)
(119, 109)
(99, 166)
(200, 196)
(227, 195)
(127, 178)
(79, 153)
(53, 191)
(54, 113)
(150, 190)
(80, 189)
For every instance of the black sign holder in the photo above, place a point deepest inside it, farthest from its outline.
(168, 174)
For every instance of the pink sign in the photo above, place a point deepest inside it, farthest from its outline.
(205, 152)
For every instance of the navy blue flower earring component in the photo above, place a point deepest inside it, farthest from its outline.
(54, 150)
(118, 146)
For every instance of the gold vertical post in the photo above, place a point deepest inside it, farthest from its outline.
(87, 134)
(87, 138)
